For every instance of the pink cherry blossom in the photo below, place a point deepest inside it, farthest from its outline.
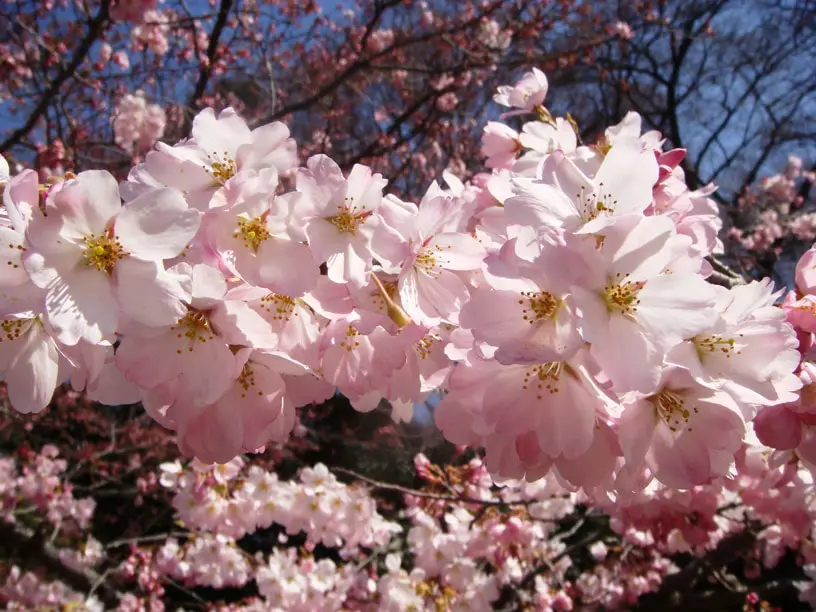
(686, 433)
(528, 94)
(430, 288)
(220, 148)
(92, 256)
(500, 144)
(526, 309)
(252, 237)
(137, 125)
(631, 288)
(338, 216)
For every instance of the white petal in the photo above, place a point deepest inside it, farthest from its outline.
(81, 306)
(148, 294)
(34, 375)
(287, 267)
(157, 225)
(87, 204)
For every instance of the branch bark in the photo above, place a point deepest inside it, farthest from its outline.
(33, 547)
(96, 27)
(215, 36)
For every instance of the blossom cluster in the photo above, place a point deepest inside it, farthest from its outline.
(317, 504)
(39, 484)
(26, 591)
(774, 211)
(137, 125)
(462, 543)
(560, 303)
(460, 556)
(791, 427)
(34, 492)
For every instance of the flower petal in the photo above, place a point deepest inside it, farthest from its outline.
(157, 225)
(81, 306)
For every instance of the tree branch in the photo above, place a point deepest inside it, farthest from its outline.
(462, 499)
(35, 548)
(215, 36)
(95, 28)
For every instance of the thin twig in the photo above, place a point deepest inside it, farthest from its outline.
(37, 549)
(95, 31)
(449, 498)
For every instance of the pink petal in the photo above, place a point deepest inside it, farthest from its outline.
(220, 137)
(271, 147)
(349, 267)
(148, 294)
(494, 316)
(157, 225)
(307, 389)
(287, 267)
(182, 167)
(778, 427)
(679, 462)
(112, 389)
(212, 434)
(207, 371)
(635, 430)
(208, 286)
(627, 175)
(238, 324)
(458, 252)
(81, 306)
(325, 240)
(12, 272)
(34, 376)
(87, 204)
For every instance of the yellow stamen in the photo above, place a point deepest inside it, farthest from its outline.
(102, 252)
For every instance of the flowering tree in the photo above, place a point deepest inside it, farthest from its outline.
(632, 418)
(731, 82)
(88, 85)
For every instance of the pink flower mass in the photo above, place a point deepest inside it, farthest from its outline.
(587, 315)
(563, 307)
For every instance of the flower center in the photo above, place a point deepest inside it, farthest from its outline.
(596, 204)
(540, 306)
(281, 307)
(247, 380)
(621, 295)
(423, 347)
(671, 407)
(348, 220)
(252, 231)
(102, 252)
(195, 327)
(350, 341)
(544, 377)
(222, 170)
(711, 344)
(12, 329)
(426, 261)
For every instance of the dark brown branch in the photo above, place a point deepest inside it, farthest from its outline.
(36, 549)
(366, 62)
(678, 590)
(96, 27)
(461, 499)
(215, 36)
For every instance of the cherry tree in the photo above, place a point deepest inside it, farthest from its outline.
(213, 315)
